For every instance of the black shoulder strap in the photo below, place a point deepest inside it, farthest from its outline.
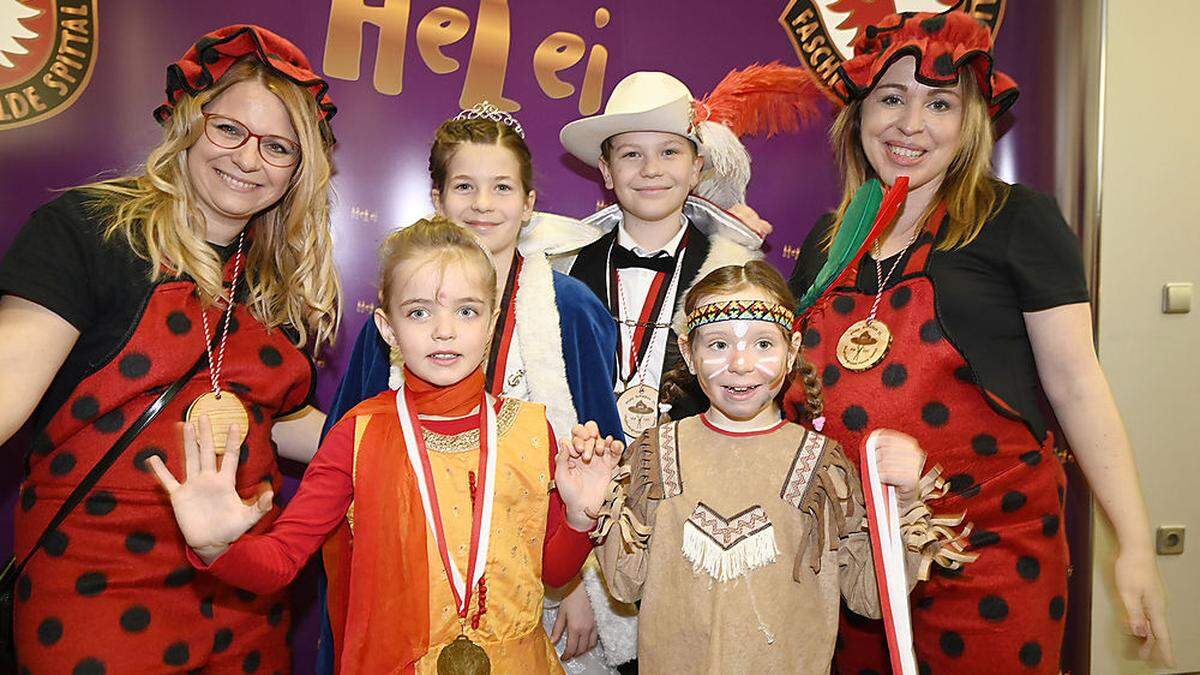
(14, 569)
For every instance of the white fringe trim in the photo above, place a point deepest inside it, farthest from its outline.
(706, 555)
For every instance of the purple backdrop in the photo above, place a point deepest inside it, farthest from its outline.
(381, 177)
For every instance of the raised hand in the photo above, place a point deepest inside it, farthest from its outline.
(583, 476)
(901, 461)
(751, 219)
(210, 513)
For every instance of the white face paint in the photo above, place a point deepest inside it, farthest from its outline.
(739, 364)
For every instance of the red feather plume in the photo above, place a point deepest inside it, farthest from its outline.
(759, 99)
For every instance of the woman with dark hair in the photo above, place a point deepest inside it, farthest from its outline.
(970, 306)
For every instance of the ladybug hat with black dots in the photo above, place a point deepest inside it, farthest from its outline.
(213, 54)
(943, 44)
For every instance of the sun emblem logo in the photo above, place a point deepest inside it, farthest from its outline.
(47, 50)
(822, 31)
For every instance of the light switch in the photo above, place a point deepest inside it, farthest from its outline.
(1177, 298)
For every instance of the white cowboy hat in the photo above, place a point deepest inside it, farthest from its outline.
(643, 101)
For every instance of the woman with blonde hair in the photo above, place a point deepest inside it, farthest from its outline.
(196, 288)
(964, 312)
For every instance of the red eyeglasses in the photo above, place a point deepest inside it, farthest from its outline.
(226, 132)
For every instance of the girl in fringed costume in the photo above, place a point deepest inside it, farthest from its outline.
(554, 343)
(737, 530)
(454, 522)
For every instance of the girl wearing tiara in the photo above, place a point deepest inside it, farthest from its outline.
(554, 342)
(748, 525)
(444, 487)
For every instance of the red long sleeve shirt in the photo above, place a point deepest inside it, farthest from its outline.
(267, 562)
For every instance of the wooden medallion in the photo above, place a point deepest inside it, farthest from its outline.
(222, 413)
(638, 406)
(863, 345)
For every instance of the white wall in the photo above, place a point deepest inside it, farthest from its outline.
(1150, 235)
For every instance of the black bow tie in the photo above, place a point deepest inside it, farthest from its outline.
(623, 258)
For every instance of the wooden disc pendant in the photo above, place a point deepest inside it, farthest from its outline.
(863, 345)
(638, 406)
(463, 657)
(222, 413)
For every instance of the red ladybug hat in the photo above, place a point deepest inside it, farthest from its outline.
(213, 54)
(941, 42)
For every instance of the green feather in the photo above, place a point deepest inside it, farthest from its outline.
(856, 225)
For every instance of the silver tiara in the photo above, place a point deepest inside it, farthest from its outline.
(486, 111)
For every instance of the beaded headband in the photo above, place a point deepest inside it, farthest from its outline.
(734, 310)
(486, 111)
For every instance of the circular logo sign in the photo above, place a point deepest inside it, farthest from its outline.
(47, 50)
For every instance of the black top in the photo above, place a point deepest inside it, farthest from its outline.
(1025, 259)
(591, 267)
(61, 261)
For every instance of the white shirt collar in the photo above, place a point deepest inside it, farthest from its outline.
(670, 248)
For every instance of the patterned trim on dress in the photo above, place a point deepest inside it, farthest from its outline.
(727, 548)
(469, 440)
(729, 532)
(668, 458)
(806, 461)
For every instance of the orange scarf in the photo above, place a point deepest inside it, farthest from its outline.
(455, 400)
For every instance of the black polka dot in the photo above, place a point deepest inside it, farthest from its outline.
(843, 304)
(275, 614)
(933, 24)
(62, 464)
(1029, 568)
(894, 375)
(178, 323)
(139, 460)
(984, 445)
(49, 631)
(964, 374)
(900, 297)
(944, 65)
(139, 542)
(270, 357)
(971, 491)
(111, 422)
(180, 576)
(868, 671)
(993, 608)
(256, 412)
(100, 504)
(177, 654)
(951, 644)
(42, 445)
(1032, 458)
(90, 666)
(233, 325)
(924, 602)
(812, 338)
(252, 661)
(206, 607)
(222, 640)
(24, 588)
(134, 365)
(946, 572)
(960, 481)
(981, 538)
(930, 332)
(245, 595)
(923, 668)
(28, 498)
(1062, 494)
(1050, 524)
(56, 543)
(935, 414)
(91, 583)
(830, 375)
(1031, 654)
(1012, 501)
(1058, 607)
(85, 408)
(135, 619)
(243, 454)
(855, 418)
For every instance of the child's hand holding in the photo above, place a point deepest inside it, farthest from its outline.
(210, 513)
(901, 461)
(583, 470)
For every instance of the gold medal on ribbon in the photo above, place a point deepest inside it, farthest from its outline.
(222, 412)
(638, 406)
(863, 345)
(463, 657)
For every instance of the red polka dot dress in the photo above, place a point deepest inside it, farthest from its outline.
(1001, 613)
(112, 591)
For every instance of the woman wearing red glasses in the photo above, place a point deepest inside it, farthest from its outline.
(206, 277)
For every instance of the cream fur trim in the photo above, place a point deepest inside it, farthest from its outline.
(539, 337)
(615, 621)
